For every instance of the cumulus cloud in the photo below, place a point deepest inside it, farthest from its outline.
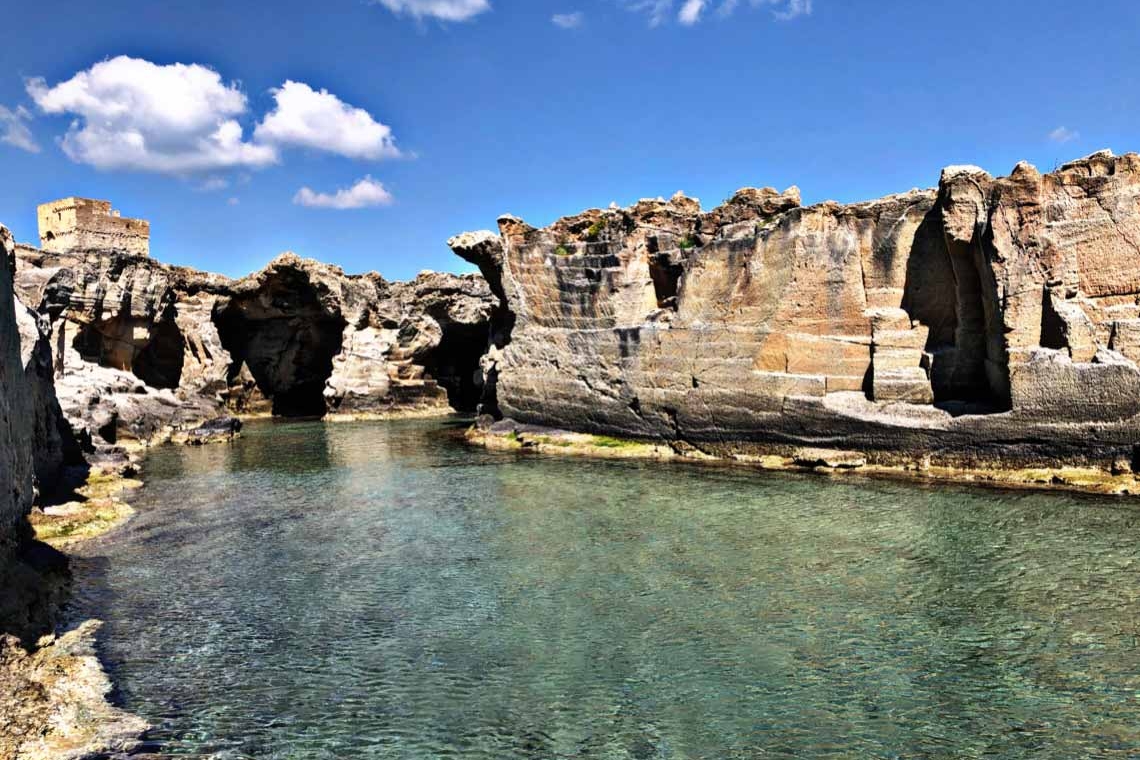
(366, 192)
(14, 129)
(1062, 135)
(691, 11)
(568, 20)
(308, 118)
(134, 114)
(444, 10)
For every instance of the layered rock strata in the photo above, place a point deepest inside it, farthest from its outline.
(989, 322)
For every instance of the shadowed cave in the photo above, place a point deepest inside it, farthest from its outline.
(152, 351)
(286, 339)
(949, 288)
(454, 363)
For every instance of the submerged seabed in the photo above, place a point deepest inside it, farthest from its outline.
(382, 590)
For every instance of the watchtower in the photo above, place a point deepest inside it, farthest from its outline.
(84, 224)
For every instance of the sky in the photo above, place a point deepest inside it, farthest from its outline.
(366, 133)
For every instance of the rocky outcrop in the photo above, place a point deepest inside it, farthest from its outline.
(987, 322)
(53, 700)
(143, 348)
(51, 692)
(32, 576)
(17, 466)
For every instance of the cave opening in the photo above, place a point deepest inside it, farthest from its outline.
(455, 362)
(976, 370)
(666, 276)
(950, 289)
(152, 351)
(290, 358)
(159, 363)
(1053, 331)
(286, 340)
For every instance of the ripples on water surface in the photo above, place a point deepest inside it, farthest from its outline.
(381, 590)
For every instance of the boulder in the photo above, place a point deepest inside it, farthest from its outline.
(217, 430)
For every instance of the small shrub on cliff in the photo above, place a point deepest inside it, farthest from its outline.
(687, 243)
(595, 230)
(563, 250)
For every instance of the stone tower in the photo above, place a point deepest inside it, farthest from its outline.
(83, 224)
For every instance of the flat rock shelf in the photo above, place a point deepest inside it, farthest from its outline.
(381, 589)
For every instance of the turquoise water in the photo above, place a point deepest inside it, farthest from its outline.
(382, 590)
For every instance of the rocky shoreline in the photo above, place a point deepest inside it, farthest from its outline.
(107, 354)
(986, 324)
(987, 330)
(508, 435)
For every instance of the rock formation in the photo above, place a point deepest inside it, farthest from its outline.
(143, 348)
(31, 456)
(51, 693)
(988, 322)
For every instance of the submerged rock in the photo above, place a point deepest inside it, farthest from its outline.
(986, 322)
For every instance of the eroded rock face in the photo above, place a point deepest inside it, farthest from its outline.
(16, 450)
(298, 338)
(985, 321)
(53, 699)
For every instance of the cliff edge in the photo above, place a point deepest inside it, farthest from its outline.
(986, 323)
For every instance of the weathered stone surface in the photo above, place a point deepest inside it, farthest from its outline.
(297, 338)
(220, 429)
(16, 450)
(831, 459)
(53, 700)
(987, 321)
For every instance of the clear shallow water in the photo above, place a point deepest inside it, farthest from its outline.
(381, 590)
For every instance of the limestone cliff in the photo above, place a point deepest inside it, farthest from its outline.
(991, 322)
(16, 453)
(51, 692)
(133, 337)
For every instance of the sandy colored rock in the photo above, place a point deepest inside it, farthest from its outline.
(298, 338)
(989, 322)
(53, 699)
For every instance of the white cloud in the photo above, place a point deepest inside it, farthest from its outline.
(14, 129)
(1062, 135)
(233, 201)
(134, 114)
(658, 11)
(210, 184)
(366, 192)
(568, 20)
(792, 9)
(691, 11)
(307, 118)
(444, 10)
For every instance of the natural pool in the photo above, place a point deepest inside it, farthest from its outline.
(383, 590)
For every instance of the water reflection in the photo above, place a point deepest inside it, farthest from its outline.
(380, 590)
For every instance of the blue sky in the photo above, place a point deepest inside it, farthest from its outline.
(442, 124)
